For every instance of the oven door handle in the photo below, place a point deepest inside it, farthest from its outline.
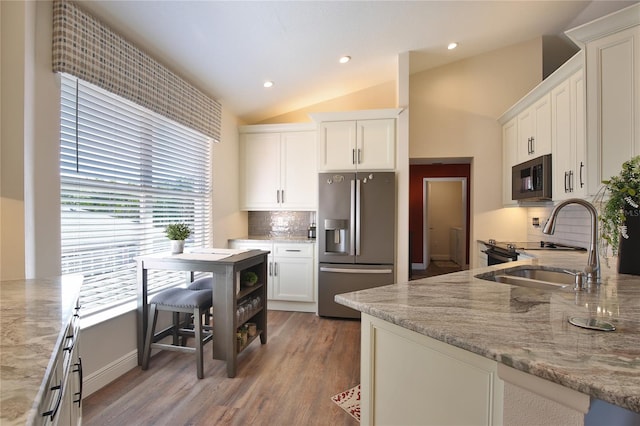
(497, 256)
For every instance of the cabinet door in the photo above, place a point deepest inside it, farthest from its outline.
(525, 134)
(299, 178)
(260, 156)
(410, 379)
(613, 115)
(294, 272)
(509, 159)
(579, 139)
(542, 127)
(376, 148)
(336, 146)
(534, 130)
(563, 161)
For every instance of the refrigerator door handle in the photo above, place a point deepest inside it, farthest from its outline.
(358, 213)
(356, 271)
(352, 227)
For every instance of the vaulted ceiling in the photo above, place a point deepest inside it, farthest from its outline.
(230, 48)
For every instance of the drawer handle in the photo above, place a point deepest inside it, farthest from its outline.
(292, 250)
(80, 379)
(53, 412)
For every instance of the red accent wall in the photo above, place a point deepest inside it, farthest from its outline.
(417, 172)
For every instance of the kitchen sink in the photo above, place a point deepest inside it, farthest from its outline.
(539, 277)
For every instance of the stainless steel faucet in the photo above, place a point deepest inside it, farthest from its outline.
(592, 269)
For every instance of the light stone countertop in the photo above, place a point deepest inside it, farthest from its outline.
(33, 317)
(526, 328)
(268, 238)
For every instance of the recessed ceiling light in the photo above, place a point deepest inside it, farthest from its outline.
(268, 84)
(452, 46)
(344, 59)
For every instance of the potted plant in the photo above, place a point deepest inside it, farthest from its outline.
(177, 233)
(620, 216)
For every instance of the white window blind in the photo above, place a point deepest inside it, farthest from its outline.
(126, 173)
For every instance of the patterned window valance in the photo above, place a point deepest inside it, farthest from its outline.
(89, 50)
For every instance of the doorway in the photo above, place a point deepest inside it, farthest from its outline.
(444, 221)
(436, 170)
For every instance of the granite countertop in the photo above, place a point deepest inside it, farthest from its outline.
(33, 317)
(290, 239)
(526, 328)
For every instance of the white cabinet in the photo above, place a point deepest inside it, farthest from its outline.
(509, 159)
(291, 273)
(61, 403)
(357, 145)
(568, 135)
(612, 49)
(278, 168)
(408, 378)
(534, 130)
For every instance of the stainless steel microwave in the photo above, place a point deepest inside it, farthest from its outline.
(531, 180)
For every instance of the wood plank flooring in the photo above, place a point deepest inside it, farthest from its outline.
(288, 381)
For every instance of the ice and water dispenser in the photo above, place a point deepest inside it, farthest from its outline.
(336, 236)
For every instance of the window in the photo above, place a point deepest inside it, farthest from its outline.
(126, 173)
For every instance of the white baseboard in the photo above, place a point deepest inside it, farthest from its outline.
(109, 373)
(281, 305)
(418, 266)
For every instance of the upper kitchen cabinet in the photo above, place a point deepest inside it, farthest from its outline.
(568, 133)
(534, 130)
(549, 119)
(357, 140)
(612, 49)
(278, 167)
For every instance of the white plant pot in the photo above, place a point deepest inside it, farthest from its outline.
(177, 246)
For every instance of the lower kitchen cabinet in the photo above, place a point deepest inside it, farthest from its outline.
(408, 378)
(291, 273)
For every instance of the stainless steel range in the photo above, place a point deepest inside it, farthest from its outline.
(502, 252)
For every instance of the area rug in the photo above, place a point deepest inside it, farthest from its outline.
(349, 401)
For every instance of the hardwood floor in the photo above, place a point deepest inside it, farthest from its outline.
(288, 381)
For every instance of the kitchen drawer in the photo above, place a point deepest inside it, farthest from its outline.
(293, 250)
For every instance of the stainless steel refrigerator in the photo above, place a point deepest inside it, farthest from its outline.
(356, 236)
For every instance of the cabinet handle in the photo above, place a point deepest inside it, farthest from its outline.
(282, 195)
(581, 181)
(52, 413)
(275, 269)
(80, 379)
(359, 156)
(570, 180)
(292, 250)
(270, 269)
(353, 156)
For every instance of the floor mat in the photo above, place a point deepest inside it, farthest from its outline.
(349, 401)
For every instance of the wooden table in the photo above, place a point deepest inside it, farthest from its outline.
(227, 292)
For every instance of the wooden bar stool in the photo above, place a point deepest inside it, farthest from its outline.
(179, 300)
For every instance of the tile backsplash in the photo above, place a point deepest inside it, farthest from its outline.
(573, 226)
(280, 223)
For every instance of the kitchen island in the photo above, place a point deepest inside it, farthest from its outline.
(513, 343)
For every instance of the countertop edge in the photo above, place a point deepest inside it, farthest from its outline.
(385, 308)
